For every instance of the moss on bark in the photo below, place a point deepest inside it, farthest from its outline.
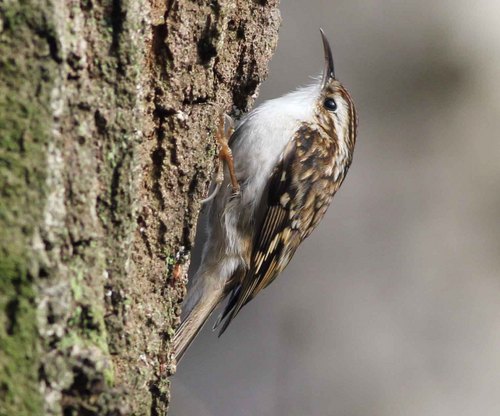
(25, 129)
(107, 114)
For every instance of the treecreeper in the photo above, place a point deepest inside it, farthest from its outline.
(284, 162)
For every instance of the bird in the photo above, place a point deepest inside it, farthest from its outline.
(289, 157)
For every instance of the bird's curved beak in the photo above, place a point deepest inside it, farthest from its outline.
(328, 69)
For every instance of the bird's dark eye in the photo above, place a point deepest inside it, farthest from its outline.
(330, 104)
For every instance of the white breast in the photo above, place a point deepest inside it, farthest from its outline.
(262, 137)
(265, 133)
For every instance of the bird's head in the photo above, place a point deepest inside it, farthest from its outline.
(334, 110)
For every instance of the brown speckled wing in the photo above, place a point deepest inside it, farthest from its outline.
(296, 197)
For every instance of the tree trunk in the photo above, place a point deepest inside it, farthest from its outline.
(108, 110)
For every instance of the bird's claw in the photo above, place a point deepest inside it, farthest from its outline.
(236, 194)
(224, 133)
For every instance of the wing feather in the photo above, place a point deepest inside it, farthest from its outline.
(272, 244)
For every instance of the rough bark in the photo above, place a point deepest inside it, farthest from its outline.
(107, 115)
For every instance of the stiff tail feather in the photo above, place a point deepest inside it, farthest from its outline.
(194, 321)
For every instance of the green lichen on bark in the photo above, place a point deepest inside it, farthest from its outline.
(27, 67)
(107, 116)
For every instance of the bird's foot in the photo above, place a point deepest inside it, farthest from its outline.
(224, 132)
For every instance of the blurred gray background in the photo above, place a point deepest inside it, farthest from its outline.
(392, 307)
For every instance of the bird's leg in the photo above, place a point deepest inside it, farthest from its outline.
(224, 132)
(223, 135)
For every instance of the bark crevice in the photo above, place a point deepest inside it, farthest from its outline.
(107, 116)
